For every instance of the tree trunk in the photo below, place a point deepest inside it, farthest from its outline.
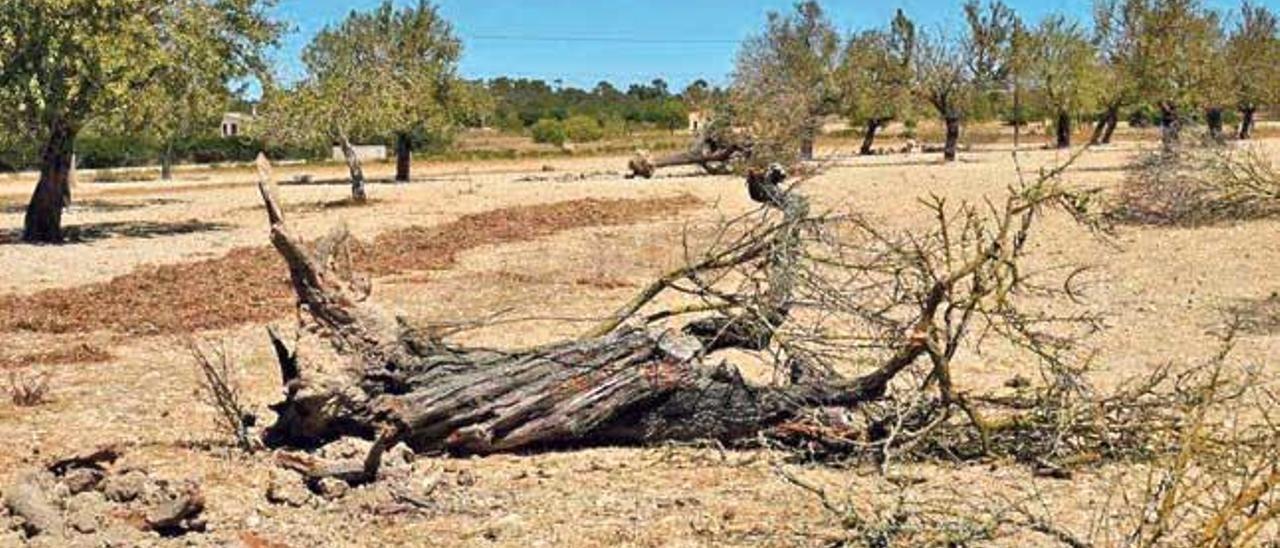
(1246, 122)
(808, 141)
(404, 157)
(166, 162)
(713, 157)
(1106, 126)
(1213, 118)
(869, 137)
(1113, 119)
(43, 221)
(1170, 126)
(1064, 130)
(953, 138)
(353, 165)
(622, 385)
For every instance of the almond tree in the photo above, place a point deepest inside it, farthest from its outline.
(1173, 62)
(1064, 72)
(943, 81)
(390, 73)
(1253, 57)
(785, 79)
(875, 77)
(64, 63)
(1115, 38)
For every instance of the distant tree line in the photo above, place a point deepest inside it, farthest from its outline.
(526, 104)
(1166, 63)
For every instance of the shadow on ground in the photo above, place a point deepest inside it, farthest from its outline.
(92, 232)
(96, 206)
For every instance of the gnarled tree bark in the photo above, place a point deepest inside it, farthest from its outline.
(620, 384)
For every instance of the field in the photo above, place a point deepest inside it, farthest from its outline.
(557, 239)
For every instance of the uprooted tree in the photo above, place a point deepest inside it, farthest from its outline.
(715, 150)
(776, 283)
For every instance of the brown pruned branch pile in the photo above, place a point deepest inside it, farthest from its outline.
(1198, 186)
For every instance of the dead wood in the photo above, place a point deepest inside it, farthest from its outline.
(714, 154)
(638, 379)
(96, 459)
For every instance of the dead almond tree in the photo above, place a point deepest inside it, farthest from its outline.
(848, 314)
(714, 150)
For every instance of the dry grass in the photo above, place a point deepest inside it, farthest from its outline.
(65, 355)
(251, 285)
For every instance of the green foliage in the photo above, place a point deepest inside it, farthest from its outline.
(520, 103)
(582, 129)
(1253, 55)
(65, 62)
(786, 79)
(1064, 68)
(1175, 64)
(875, 77)
(375, 75)
(549, 131)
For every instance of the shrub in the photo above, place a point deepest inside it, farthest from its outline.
(95, 152)
(583, 129)
(550, 132)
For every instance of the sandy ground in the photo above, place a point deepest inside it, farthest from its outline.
(1163, 290)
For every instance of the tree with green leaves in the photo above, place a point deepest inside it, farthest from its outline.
(785, 79)
(1172, 66)
(1116, 30)
(1064, 72)
(989, 55)
(941, 79)
(875, 77)
(1253, 55)
(389, 73)
(64, 63)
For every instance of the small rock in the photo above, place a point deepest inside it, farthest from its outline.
(400, 456)
(505, 527)
(287, 487)
(332, 488)
(85, 511)
(80, 480)
(345, 448)
(125, 487)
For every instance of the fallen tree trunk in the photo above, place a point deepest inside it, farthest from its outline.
(645, 166)
(710, 153)
(620, 385)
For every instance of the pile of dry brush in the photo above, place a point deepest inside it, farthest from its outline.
(1193, 186)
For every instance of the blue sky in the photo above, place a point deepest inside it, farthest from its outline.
(626, 41)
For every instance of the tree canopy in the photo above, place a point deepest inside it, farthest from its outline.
(64, 63)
